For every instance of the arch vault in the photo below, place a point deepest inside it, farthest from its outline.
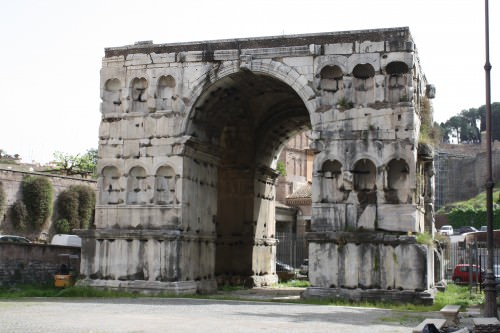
(188, 146)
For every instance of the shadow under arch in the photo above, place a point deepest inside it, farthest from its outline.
(242, 121)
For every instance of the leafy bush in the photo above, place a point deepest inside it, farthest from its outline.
(76, 205)
(62, 226)
(472, 216)
(19, 215)
(86, 204)
(37, 196)
(67, 208)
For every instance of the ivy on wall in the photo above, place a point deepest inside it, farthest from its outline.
(37, 195)
(475, 217)
(19, 215)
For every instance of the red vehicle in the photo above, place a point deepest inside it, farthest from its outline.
(465, 273)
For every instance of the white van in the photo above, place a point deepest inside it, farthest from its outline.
(66, 240)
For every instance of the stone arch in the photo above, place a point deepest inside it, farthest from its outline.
(398, 80)
(165, 185)
(110, 193)
(333, 190)
(137, 186)
(165, 89)
(242, 119)
(111, 96)
(398, 182)
(277, 70)
(138, 95)
(363, 84)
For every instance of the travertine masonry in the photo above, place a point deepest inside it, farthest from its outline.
(189, 141)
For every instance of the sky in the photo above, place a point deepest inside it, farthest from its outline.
(52, 51)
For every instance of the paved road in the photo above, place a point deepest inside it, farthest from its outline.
(193, 315)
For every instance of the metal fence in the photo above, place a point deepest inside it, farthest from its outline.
(291, 249)
(473, 253)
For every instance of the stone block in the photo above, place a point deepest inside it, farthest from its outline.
(339, 48)
(368, 218)
(135, 59)
(163, 58)
(323, 264)
(369, 47)
(114, 62)
(223, 55)
(403, 218)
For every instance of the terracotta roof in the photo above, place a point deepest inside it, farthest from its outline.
(302, 196)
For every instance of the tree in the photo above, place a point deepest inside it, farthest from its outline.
(82, 165)
(469, 123)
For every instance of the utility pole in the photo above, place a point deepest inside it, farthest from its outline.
(490, 304)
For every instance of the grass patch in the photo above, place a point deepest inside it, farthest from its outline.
(294, 284)
(41, 290)
(454, 294)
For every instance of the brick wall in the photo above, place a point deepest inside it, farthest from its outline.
(33, 263)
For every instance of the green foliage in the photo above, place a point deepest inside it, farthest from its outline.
(62, 226)
(86, 204)
(430, 132)
(37, 196)
(475, 217)
(280, 167)
(76, 205)
(19, 215)
(82, 165)
(424, 238)
(465, 123)
(473, 211)
(67, 207)
(345, 104)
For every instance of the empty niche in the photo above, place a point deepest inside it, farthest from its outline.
(138, 94)
(111, 96)
(332, 184)
(364, 84)
(331, 78)
(137, 186)
(164, 92)
(397, 82)
(398, 186)
(110, 193)
(165, 186)
(364, 179)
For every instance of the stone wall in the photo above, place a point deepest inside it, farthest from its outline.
(33, 263)
(11, 181)
(461, 172)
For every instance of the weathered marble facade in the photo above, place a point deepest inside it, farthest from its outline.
(189, 140)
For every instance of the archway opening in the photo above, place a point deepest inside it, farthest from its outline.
(244, 120)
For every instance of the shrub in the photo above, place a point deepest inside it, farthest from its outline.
(62, 226)
(67, 207)
(19, 215)
(37, 196)
(76, 205)
(86, 204)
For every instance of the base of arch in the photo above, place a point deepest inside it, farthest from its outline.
(371, 295)
(153, 287)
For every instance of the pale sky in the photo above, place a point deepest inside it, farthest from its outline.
(52, 50)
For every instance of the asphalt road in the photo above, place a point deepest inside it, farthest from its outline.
(193, 315)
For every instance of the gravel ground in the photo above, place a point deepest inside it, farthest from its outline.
(199, 315)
